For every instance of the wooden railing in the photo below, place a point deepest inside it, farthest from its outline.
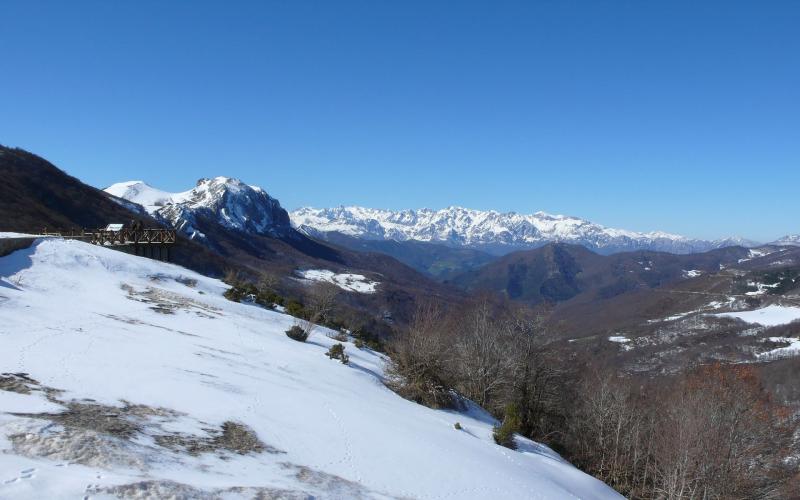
(70, 233)
(152, 243)
(133, 237)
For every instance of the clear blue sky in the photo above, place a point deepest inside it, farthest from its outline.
(672, 115)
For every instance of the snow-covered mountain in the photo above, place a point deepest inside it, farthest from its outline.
(124, 377)
(788, 240)
(229, 202)
(490, 230)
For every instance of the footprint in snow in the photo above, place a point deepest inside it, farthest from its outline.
(23, 474)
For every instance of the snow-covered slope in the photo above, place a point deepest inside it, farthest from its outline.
(772, 315)
(227, 201)
(788, 240)
(346, 281)
(127, 377)
(490, 229)
(145, 195)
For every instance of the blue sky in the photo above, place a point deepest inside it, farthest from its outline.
(680, 116)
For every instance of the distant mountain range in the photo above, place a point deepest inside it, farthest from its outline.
(440, 243)
(239, 206)
(491, 231)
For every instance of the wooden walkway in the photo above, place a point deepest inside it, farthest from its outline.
(152, 243)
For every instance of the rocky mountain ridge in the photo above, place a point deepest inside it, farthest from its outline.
(493, 231)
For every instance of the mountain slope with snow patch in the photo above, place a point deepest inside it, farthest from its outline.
(127, 377)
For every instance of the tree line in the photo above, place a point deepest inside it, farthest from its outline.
(710, 432)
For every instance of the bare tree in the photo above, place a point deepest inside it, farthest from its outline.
(484, 364)
(268, 282)
(537, 377)
(712, 433)
(721, 437)
(419, 359)
(486, 352)
(321, 298)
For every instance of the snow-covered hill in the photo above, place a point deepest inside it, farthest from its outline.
(227, 201)
(127, 377)
(495, 231)
(788, 240)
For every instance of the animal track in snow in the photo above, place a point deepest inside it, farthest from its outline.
(23, 474)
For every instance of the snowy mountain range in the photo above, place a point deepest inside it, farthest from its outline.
(235, 205)
(492, 231)
(227, 201)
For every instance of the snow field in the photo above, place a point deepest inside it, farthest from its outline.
(773, 315)
(349, 282)
(115, 328)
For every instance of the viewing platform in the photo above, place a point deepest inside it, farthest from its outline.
(154, 243)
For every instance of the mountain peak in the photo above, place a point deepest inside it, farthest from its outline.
(225, 200)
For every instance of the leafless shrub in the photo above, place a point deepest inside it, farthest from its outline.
(232, 277)
(320, 301)
(338, 335)
(268, 282)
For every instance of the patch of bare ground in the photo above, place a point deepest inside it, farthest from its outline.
(232, 436)
(17, 382)
(166, 302)
(170, 489)
(319, 485)
(96, 434)
(338, 487)
(183, 280)
(74, 445)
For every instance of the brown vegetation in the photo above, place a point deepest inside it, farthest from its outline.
(710, 432)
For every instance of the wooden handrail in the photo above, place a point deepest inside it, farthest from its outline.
(134, 237)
